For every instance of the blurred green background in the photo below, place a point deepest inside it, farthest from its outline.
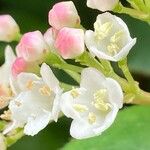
(131, 129)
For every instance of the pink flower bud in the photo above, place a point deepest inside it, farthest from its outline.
(102, 5)
(9, 30)
(19, 65)
(32, 46)
(70, 42)
(50, 36)
(64, 14)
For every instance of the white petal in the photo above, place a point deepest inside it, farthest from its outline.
(125, 50)
(24, 78)
(56, 106)
(115, 92)
(92, 79)
(9, 55)
(49, 78)
(5, 69)
(80, 129)
(33, 126)
(108, 120)
(67, 106)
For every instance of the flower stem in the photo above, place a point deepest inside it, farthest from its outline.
(124, 67)
(144, 16)
(141, 98)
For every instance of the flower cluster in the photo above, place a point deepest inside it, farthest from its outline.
(34, 95)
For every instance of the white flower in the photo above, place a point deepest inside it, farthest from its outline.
(94, 106)
(5, 72)
(111, 39)
(102, 5)
(38, 102)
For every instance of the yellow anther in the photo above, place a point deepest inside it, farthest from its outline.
(6, 115)
(99, 100)
(102, 30)
(45, 90)
(29, 85)
(116, 37)
(113, 48)
(80, 108)
(74, 93)
(91, 118)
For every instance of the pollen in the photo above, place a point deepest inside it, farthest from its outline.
(91, 118)
(45, 90)
(80, 108)
(100, 97)
(102, 30)
(29, 85)
(113, 48)
(74, 93)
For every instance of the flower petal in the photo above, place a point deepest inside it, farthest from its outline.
(92, 79)
(49, 78)
(115, 92)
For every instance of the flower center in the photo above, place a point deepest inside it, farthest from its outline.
(102, 30)
(80, 108)
(74, 93)
(29, 85)
(113, 47)
(45, 90)
(100, 98)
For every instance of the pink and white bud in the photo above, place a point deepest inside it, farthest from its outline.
(32, 46)
(102, 5)
(19, 65)
(64, 14)
(50, 36)
(70, 42)
(9, 30)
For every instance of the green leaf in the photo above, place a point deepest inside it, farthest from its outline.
(129, 132)
(51, 138)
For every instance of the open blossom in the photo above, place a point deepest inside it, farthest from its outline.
(50, 36)
(64, 14)
(37, 101)
(70, 42)
(32, 46)
(94, 106)
(111, 38)
(9, 30)
(102, 5)
(5, 72)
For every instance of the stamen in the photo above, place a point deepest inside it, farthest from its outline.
(6, 115)
(80, 108)
(99, 100)
(102, 30)
(116, 37)
(91, 118)
(113, 48)
(74, 93)
(29, 85)
(45, 90)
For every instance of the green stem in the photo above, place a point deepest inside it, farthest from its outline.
(87, 60)
(132, 12)
(124, 67)
(12, 139)
(141, 98)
